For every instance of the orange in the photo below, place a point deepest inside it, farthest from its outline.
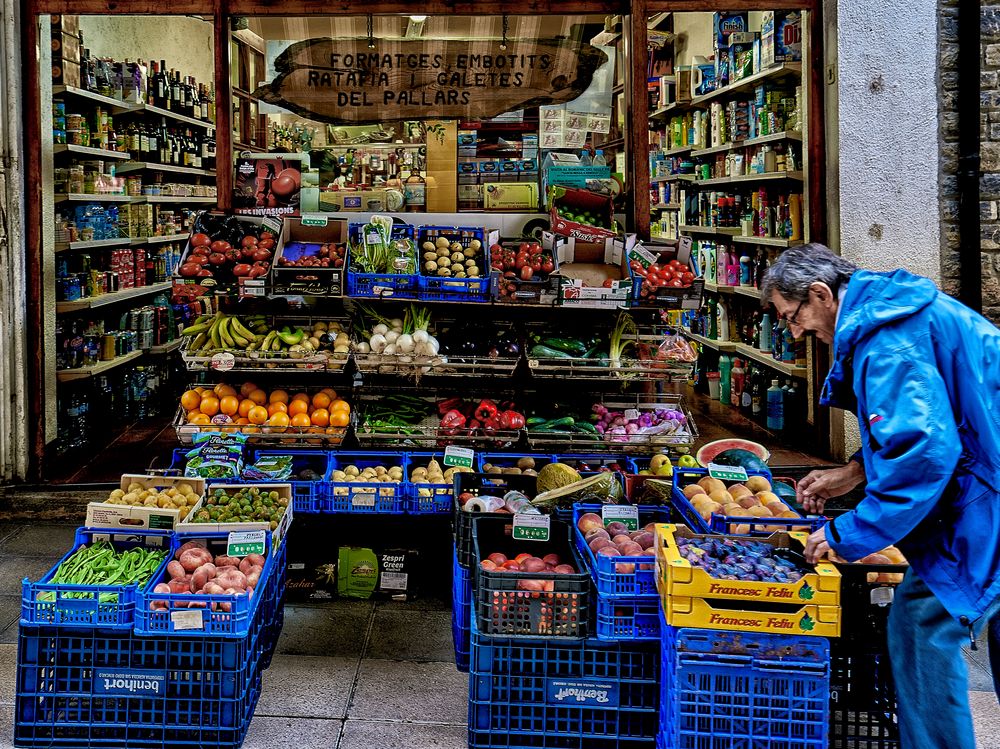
(321, 400)
(200, 419)
(222, 389)
(330, 392)
(258, 396)
(273, 408)
(278, 422)
(192, 413)
(340, 405)
(320, 417)
(202, 390)
(301, 420)
(245, 405)
(246, 388)
(250, 430)
(258, 415)
(278, 396)
(229, 404)
(340, 419)
(242, 421)
(190, 400)
(209, 405)
(335, 430)
(301, 397)
(296, 407)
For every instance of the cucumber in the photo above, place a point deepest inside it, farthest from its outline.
(544, 352)
(569, 345)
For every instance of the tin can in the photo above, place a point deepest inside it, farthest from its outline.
(109, 346)
(72, 289)
(91, 350)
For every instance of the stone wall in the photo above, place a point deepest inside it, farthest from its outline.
(989, 137)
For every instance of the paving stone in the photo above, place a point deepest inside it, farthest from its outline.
(292, 733)
(335, 630)
(406, 691)
(411, 636)
(8, 674)
(13, 570)
(40, 541)
(364, 734)
(429, 603)
(10, 610)
(6, 726)
(307, 687)
(986, 719)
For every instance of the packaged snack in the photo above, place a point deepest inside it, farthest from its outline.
(216, 456)
(269, 468)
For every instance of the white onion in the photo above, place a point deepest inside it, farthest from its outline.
(380, 329)
(377, 343)
(433, 345)
(396, 323)
(392, 336)
(405, 344)
(364, 348)
(405, 359)
(420, 336)
(389, 350)
(421, 349)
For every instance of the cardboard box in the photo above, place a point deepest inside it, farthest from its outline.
(726, 23)
(781, 37)
(65, 47)
(244, 286)
(67, 24)
(65, 73)
(363, 572)
(468, 142)
(489, 171)
(517, 196)
(510, 170)
(563, 200)
(584, 271)
(277, 535)
(269, 184)
(132, 517)
(311, 230)
(311, 579)
(337, 201)
(808, 619)
(470, 197)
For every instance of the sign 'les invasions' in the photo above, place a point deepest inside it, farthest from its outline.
(342, 81)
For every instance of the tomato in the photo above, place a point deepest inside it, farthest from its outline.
(266, 234)
(241, 269)
(687, 277)
(266, 243)
(608, 283)
(200, 240)
(217, 258)
(536, 264)
(248, 241)
(257, 271)
(676, 264)
(534, 248)
(220, 246)
(676, 283)
(527, 272)
(233, 255)
(261, 254)
(204, 273)
(548, 266)
(190, 270)
(667, 274)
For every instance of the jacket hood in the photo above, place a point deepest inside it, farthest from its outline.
(871, 301)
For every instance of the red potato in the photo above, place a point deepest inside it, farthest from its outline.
(233, 579)
(212, 588)
(161, 588)
(226, 561)
(175, 569)
(256, 559)
(197, 605)
(246, 565)
(157, 605)
(192, 559)
(178, 586)
(224, 568)
(224, 606)
(202, 575)
(185, 547)
(253, 577)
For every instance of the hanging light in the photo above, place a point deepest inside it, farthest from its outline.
(418, 19)
(506, 26)
(371, 32)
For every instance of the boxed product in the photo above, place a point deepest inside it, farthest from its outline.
(336, 201)
(584, 215)
(565, 170)
(311, 579)
(510, 196)
(363, 572)
(67, 24)
(268, 184)
(164, 512)
(284, 493)
(510, 170)
(304, 238)
(595, 277)
(65, 73)
(726, 23)
(781, 37)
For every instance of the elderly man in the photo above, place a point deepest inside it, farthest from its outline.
(922, 373)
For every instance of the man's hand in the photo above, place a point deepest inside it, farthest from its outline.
(817, 547)
(818, 486)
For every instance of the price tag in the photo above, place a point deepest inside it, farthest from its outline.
(644, 256)
(627, 514)
(363, 499)
(531, 527)
(459, 457)
(631, 414)
(882, 596)
(187, 619)
(727, 473)
(313, 219)
(223, 361)
(273, 225)
(382, 290)
(241, 543)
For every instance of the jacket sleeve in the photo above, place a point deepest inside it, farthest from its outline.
(913, 449)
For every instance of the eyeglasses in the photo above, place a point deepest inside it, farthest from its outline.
(793, 319)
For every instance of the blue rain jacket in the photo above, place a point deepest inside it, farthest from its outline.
(922, 373)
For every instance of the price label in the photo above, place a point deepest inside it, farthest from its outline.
(882, 596)
(187, 619)
(313, 219)
(531, 527)
(627, 514)
(382, 290)
(644, 256)
(632, 414)
(223, 361)
(241, 543)
(363, 499)
(459, 457)
(727, 473)
(273, 225)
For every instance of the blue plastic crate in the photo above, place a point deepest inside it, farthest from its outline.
(509, 460)
(439, 289)
(558, 693)
(156, 613)
(743, 690)
(730, 525)
(375, 497)
(461, 613)
(381, 285)
(109, 606)
(307, 496)
(438, 500)
(620, 576)
(622, 620)
(90, 687)
(596, 462)
(273, 611)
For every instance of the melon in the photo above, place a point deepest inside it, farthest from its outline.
(556, 476)
(742, 458)
(785, 492)
(709, 453)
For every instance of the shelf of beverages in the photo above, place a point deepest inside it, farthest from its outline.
(113, 297)
(82, 373)
(139, 166)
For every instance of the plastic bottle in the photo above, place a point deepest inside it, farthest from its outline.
(732, 268)
(585, 159)
(712, 327)
(777, 339)
(787, 345)
(764, 344)
(775, 407)
(737, 383)
(711, 263)
(746, 399)
(746, 271)
(722, 321)
(720, 265)
(793, 407)
(758, 395)
(599, 158)
(725, 378)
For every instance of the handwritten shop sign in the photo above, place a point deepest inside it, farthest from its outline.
(343, 81)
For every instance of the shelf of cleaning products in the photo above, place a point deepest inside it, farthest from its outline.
(761, 357)
(765, 177)
(666, 207)
(673, 178)
(761, 141)
(97, 244)
(747, 291)
(783, 70)
(765, 241)
(722, 231)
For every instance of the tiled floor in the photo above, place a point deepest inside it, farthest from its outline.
(346, 675)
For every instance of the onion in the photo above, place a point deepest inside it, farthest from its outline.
(405, 359)
(391, 337)
(405, 344)
(390, 349)
(420, 336)
(364, 348)
(377, 343)
(380, 329)
(432, 342)
(395, 323)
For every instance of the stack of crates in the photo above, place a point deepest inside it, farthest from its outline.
(82, 682)
(461, 612)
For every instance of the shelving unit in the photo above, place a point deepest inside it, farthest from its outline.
(166, 348)
(765, 177)
(713, 230)
(783, 70)
(761, 357)
(177, 199)
(97, 153)
(80, 197)
(83, 373)
(790, 135)
(120, 242)
(763, 241)
(111, 298)
(140, 166)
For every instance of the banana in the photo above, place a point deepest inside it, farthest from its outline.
(199, 340)
(238, 327)
(195, 328)
(224, 336)
(276, 343)
(265, 344)
(213, 333)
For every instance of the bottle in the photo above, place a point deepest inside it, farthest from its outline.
(737, 383)
(599, 158)
(787, 345)
(585, 158)
(732, 268)
(746, 398)
(777, 339)
(712, 321)
(722, 322)
(746, 271)
(760, 268)
(710, 263)
(720, 265)
(764, 343)
(793, 413)
(414, 191)
(775, 407)
(758, 395)
(725, 378)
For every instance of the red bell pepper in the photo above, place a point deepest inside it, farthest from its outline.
(491, 425)
(447, 405)
(453, 420)
(486, 410)
(511, 420)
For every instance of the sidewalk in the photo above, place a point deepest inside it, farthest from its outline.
(346, 675)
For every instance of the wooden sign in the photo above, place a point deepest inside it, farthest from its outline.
(343, 81)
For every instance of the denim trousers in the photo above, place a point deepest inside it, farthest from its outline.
(932, 681)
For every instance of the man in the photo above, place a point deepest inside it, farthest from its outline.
(922, 373)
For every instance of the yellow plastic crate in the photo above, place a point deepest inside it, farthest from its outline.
(822, 621)
(677, 577)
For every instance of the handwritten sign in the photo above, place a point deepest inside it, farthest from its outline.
(342, 81)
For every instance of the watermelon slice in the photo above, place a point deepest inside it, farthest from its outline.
(708, 453)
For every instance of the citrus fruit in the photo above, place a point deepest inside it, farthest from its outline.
(245, 405)
(250, 430)
(222, 389)
(296, 407)
(190, 400)
(301, 397)
(258, 396)
(301, 420)
(202, 390)
(229, 404)
(200, 419)
(278, 422)
(320, 417)
(278, 396)
(276, 407)
(209, 405)
(246, 388)
(242, 421)
(321, 400)
(258, 415)
(192, 413)
(340, 419)
(340, 405)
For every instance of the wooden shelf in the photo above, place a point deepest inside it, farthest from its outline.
(673, 178)
(781, 70)
(111, 298)
(150, 109)
(747, 291)
(139, 166)
(761, 357)
(663, 111)
(114, 105)
(727, 231)
(666, 207)
(166, 348)
(657, 19)
(79, 197)
(762, 140)
(98, 153)
(611, 144)
(176, 199)
(717, 345)
(678, 150)
(764, 241)
(83, 373)
(94, 245)
(765, 177)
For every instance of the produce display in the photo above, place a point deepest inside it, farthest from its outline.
(620, 426)
(754, 499)
(176, 497)
(888, 555)
(352, 474)
(584, 217)
(513, 502)
(253, 410)
(312, 255)
(375, 251)
(245, 505)
(733, 453)
(226, 248)
(615, 540)
(740, 559)
(495, 422)
(257, 339)
(525, 466)
(529, 263)
(194, 571)
(658, 278)
(100, 564)
(524, 562)
(432, 475)
(601, 488)
(450, 258)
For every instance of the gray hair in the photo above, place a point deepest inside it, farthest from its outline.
(797, 268)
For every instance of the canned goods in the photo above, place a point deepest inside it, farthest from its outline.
(91, 349)
(145, 339)
(74, 122)
(109, 346)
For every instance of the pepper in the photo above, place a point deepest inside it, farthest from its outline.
(453, 419)
(447, 405)
(486, 410)
(491, 425)
(511, 420)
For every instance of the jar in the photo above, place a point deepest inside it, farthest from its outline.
(75, 182)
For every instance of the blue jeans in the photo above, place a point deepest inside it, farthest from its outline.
(932, 681)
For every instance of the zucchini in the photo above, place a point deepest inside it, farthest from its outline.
(563, 424)
(544, 352)
(569, 345)
(585, 426)
(535, 421)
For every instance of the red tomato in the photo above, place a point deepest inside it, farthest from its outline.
(190, 270)
(219, 246)
(200, 240)
(527, 272)
(204, 273)
(266, 243)
(676, 283)
(548, 266)
(242, 269)
(248, 241)
(266, 235)
(200, 259)
(687, 277)
(534, 248)
(217, 258)
(202, 250)
(536, 264)
(233, 255)
(608, 283)
(261, 254)
(257, 270)
(675, 264)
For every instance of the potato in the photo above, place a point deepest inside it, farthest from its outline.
(461, 274)
(457, 268)
(444, 272)
(135, 487)
(431, 255)
(150, 502)
(473, 271)
(442, 243)
(429, 246)
(457, 257)
(456, 246)
(470, 263)
(431, 266)
(475, 245)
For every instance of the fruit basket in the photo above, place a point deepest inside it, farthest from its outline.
(619, 576)
(470, 485)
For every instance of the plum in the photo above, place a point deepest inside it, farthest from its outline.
(601, 543)
(615, 527)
